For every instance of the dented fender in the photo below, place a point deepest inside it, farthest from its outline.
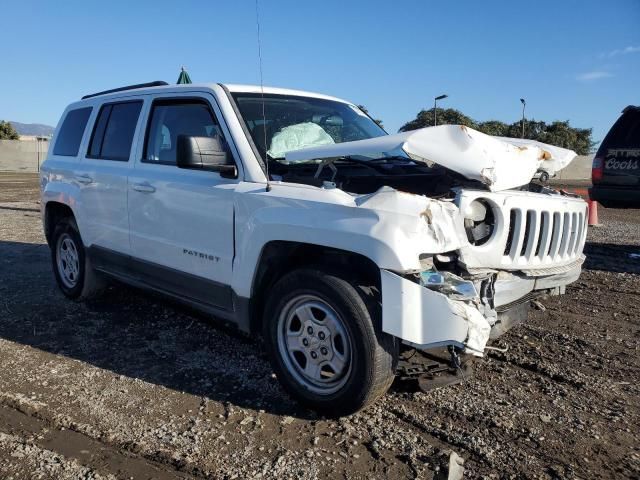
(437, 224)
(389, 227)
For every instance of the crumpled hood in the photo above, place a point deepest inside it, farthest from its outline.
(500, 163)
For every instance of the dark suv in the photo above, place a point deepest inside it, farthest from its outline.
(616, 167)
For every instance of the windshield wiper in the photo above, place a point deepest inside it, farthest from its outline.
(329, 162)
(372, 163)
(393, 159)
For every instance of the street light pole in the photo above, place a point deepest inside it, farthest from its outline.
(435, 112)
(524, 104)
(435, 108)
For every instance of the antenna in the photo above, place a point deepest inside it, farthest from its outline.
(264, 117)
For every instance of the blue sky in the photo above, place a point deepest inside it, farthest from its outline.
(576, 60)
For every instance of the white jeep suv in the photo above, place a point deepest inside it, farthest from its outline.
(294, 216)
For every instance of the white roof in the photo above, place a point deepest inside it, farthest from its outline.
(234, 88)
(280, 91)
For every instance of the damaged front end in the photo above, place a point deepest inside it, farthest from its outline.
(485, 239)
(513, 247)
(482, 257)
(435, 303)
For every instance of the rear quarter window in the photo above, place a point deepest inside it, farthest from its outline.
(71, 132)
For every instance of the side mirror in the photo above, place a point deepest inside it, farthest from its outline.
(205, 153)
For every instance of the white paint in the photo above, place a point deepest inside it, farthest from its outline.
(237, 88)
(427, 318)
(390, 228)
(186, 222)
(98, 190)
(492, 254)
(232, 220)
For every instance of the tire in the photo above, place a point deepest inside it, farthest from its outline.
(354, 362)
(71, 265)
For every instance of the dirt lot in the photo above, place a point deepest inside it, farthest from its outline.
(130, 386)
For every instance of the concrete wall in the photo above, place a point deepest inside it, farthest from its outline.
(578, 169)
(22, 156)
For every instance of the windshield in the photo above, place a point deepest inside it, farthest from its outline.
(296, 122)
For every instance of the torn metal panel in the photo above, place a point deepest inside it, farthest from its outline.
(500, 163)
(558, 157)
(437, 225)
(427, 318)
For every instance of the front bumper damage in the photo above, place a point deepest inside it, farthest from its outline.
(511, 243)
(426, 319)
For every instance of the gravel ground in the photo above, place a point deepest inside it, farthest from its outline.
(131, 386)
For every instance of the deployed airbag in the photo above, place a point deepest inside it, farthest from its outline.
(296, 137)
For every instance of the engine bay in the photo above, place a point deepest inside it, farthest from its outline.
(363, 177)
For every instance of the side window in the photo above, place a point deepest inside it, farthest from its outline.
(170, 118)
(114, 130)
(71, 131)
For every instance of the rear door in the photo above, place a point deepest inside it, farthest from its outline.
(102, 176)
(182, 220)
(620, 151)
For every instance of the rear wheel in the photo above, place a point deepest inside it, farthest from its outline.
(71, 266)
(326, 343)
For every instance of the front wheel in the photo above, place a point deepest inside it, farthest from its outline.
(326, 343)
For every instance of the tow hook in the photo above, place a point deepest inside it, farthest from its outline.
(455, 358)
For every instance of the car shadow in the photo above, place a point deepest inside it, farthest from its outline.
(135, 334)
(612, 257)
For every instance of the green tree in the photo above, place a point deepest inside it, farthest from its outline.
(377, 120)
(7, 132)
(446, 116)
(494, 127)
(563, 135)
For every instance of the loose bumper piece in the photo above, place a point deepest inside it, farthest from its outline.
(427, 318)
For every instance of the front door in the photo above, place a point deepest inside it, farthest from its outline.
(181, 221)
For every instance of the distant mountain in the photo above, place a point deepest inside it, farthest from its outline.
(32, 128)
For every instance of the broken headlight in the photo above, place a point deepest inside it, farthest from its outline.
(448, 284)
(479, 222)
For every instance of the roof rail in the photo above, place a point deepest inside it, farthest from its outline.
(157, 83)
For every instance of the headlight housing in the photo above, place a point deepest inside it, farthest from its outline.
(448, 284)
(479, 221)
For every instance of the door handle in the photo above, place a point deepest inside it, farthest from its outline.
(86, 179)
(143, 187)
